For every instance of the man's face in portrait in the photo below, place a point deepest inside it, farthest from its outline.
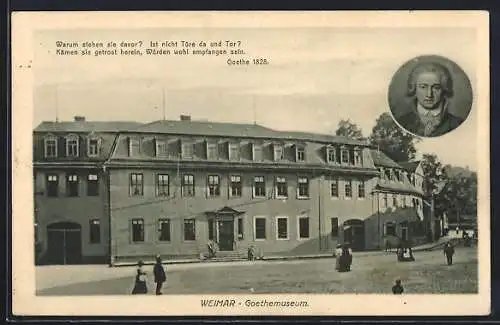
(428, 90)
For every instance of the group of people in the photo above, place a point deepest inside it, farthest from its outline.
(343, 261)
(140, 280)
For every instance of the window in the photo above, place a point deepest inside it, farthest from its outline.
(240, 229)
(348, 188)
(52, 185)
(234, 151)
(260, 228)
(188, 185)
(344, 154)
(93, 147)
(388, 174)
(278, 152)
(162, 185)
(235, 186)
(303, 187)
(161, 148)
(92, 185)
(187, 150)
(136, 185)
(361, 189)
(257, 152)
(137, 230)
(282, 228)
(303, 227)
(331, 155)
(395, 200)
(357, 158)
(72, 185)
(189, 229)
(50, 147)
(335, 227)
(134, 147)
(95, 231)
(390, 228)
(259, 186)
(211, 151)
(281, 187)
(386, 203)
(164, 230)
(300, 154)
(213, 186)
(334, 188)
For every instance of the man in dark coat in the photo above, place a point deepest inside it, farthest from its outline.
(159, 274)
(397, 289)
(430, 87)
(449, 251)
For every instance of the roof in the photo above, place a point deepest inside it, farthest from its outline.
(410, 166)
(190, 127)
(381, 159)
(84, 126)
(398, 187)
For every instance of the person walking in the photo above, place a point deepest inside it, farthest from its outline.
(397, 288)
(159, 274)
(140, 286)
(449, 251)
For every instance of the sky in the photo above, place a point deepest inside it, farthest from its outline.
(315, 77)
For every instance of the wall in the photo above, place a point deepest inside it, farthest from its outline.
(151, 208)
(78, 209)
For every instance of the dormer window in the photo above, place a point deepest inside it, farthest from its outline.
(187, 150)
(234, 151)
(160, 148)
(211, 148)
(257, 152)
(72, 146)
(344, 155)
(277, 152)
(331, 155)
(357, 157)
(300, 153)
(93, 144)
(50, 147)
(134, 147)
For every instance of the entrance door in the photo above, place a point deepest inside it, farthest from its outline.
(404, 233)
(354, 234)
(64, 243)
(226, 235)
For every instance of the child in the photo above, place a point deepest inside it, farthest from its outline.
(140, 286)
(397, 289)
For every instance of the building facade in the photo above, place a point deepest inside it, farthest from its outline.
(122, 191)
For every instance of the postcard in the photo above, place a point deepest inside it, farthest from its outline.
(263, 163)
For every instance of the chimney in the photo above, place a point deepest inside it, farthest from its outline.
(79, 118)
(185, 117)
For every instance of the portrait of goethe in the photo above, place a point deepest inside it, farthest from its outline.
(430, 96)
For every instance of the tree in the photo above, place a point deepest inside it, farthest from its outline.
(348, 129)
(460, 193)
(435, 180)
(396, 143)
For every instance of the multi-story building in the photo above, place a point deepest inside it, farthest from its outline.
(119, 190)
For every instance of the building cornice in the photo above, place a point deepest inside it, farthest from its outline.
(116, 164)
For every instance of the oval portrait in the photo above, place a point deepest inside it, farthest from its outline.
(430, 96)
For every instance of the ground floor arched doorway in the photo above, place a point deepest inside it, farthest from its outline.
(64, 243)
(354, 234)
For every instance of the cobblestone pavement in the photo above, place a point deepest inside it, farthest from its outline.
(370, 274)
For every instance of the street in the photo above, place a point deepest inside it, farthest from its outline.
(371, 273)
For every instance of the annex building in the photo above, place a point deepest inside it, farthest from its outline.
(120, 191)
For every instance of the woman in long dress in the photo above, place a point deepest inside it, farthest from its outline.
(140, 286)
